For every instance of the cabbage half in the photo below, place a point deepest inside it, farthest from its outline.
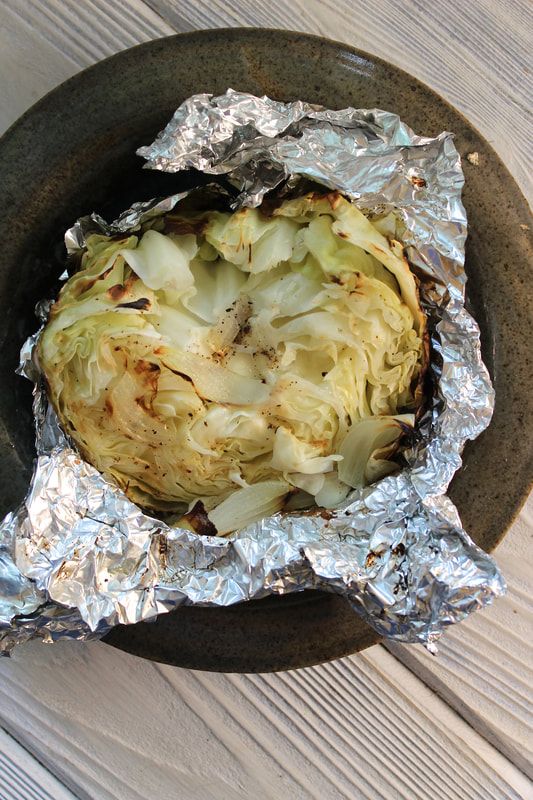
(247, 362)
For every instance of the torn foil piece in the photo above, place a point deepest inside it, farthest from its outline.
(78, 557)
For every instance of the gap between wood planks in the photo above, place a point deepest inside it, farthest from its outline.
(473, 54)
(484, 669)
(23, 777)
(43, 43)
(115, 727)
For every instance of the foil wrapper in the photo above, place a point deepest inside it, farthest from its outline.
(78, 557)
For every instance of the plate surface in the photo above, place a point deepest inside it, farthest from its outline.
(73, 153)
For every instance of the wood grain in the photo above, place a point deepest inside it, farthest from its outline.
(475, 54)
(23, 778)
(44, 43)
(485, 665)
(112, 726)
(87, 32)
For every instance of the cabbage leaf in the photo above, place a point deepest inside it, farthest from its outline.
(241, 362)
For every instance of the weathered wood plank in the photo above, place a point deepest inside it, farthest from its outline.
(485, 665)
(474, 54)
(22, 777)
(43, 44)
(113, 726)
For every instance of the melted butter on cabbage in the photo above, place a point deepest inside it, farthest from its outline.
(239, 359)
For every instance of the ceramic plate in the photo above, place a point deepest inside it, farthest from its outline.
(68, 155)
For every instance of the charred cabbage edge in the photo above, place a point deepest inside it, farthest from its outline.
(244, 361)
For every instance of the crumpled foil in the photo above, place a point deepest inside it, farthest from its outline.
(78, 557)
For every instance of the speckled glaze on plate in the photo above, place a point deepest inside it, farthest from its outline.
(73, 153)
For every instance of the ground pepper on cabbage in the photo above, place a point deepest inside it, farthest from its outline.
(240, 361)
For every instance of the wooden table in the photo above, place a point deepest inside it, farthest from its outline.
(86, 721)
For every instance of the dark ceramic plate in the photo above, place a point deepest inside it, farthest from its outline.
(73, 153)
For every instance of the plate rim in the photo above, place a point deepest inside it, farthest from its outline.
(251, 32)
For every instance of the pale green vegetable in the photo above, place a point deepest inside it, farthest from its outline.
(163, 261)
(250, 240)
(249, 504)
(352, 226)
(249, 362)
(365, 438)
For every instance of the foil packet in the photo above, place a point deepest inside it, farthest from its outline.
(78, 557)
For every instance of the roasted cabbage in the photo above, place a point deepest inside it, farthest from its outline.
(244, 361)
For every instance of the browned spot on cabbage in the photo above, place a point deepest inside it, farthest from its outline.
(199, 521)
(143, 366)
(84, 286)
(142, 304)
(334, 199)
(117, 292)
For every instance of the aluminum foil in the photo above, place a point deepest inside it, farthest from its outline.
(78, 557)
